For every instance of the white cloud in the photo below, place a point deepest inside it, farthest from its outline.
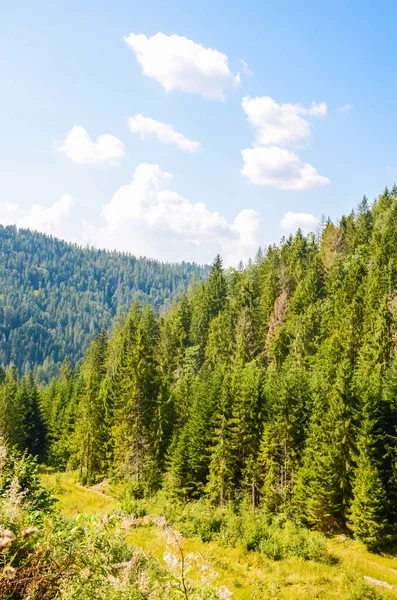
(345, 108)
(51, 219)
(280, 124)
(147, 218)
(178, 63)
(44, 218)
(304, 221)
(165, 133)
(9, 213)
(279, 168)
(246, 68)
(82, 150)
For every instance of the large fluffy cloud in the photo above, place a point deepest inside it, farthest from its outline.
(279, 168)
(48, 219)
(165, 133)
(304, 221)
(278, 127)
(147, 218)
(280, 124)
(9, 213)
(181, 64)
(82, 150)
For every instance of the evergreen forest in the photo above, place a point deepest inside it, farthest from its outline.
(55, 297)
(273, 384)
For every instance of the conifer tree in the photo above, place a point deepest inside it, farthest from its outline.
(34, 433)
(89, 434)
(222, 463)
(247, 419)
(287, 406)
(324, 482)
(136, 414)
(56, 406)
(215, 289)
(368, 513)
(11, 410)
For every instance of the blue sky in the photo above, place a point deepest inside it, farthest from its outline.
(67, 65)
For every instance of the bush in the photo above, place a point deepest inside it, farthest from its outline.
(44, 557)
(284, 539)
(365, 592)
(276, 537)
(19, 473)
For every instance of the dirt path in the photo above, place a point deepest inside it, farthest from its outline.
(97, 489)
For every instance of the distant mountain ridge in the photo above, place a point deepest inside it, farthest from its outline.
(56, 296)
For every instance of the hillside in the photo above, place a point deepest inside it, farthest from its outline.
(91, 545)
(56, 296)
(275, 383)
(257, 420)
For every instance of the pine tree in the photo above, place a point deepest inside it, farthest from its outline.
(136, 414)
(247, 418)
(56, 406)
(287, 406)
(324, 481)
(216, 289)
(220, 484)
(34, 433)
(89, 434)
(11, 410)
(368, 520)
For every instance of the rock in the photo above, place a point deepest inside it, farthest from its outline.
(378, 582)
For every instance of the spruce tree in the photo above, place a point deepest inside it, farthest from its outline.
(88, 454)
(136, 413)
(12, 410)
(221, 476)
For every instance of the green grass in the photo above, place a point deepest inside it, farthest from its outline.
(74, 499)
(249, 575)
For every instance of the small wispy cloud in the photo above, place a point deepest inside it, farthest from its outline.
(345, 108)
(164, 132)
(246, 68)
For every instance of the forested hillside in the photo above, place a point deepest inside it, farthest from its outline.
(275, 384)
(55, 296)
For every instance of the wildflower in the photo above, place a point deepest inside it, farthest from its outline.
(29, 531)
(6, 539)
(171, 560)
(224, 593)
(10, 572)
(192, 557)
(8, 533)
(159, 521)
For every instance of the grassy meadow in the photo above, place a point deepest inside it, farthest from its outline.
(247, 574)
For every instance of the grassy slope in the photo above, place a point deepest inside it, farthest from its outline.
(247, 574)
(74, 499)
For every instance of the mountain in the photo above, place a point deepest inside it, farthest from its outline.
(275, 384)
(55, 296)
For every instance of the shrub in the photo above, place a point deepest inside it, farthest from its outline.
(363, 591)
(19, 472)
(276, 537)
(84, 558)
